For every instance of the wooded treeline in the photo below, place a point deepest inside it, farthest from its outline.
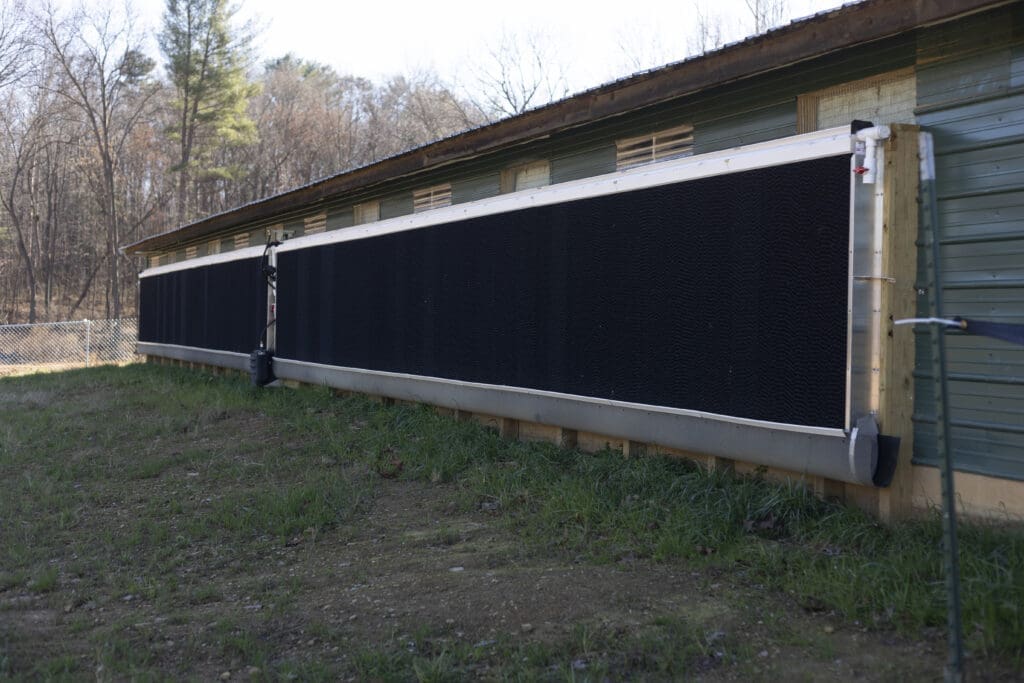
(103, 143)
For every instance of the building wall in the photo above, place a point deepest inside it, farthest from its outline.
(970, 96)
(965, 82)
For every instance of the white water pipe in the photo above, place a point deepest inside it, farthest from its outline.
(870, 138)
(874, 160)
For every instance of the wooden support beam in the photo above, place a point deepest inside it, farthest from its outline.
(634, 449)
(567, 438)
(509, 428)
(828, 489)
(721, 464)
(899, 300)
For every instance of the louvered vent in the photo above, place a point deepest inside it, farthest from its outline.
(315, 224)
(667, 144)
(213, 247)
(242, 241)
(432, 197)
(191, 252)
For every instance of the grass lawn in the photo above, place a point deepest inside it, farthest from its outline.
(158, 523)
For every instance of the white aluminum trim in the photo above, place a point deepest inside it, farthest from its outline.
(814, 145)
(228, 359)
(795, 448)
(212, 259)
(831, 453)
(697, 414)
(848, 410)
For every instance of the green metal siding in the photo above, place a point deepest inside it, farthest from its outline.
(392, 207)
(339, 218)
(477, 187)
(227, 244)
(976, 124)
(1017, 65)
(584, 164)
(965, 60)
(297, 227)
(969, 99)
(745, 127)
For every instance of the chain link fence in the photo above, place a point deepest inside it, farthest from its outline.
(55, 346)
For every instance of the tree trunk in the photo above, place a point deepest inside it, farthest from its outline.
(86, 287)
(183, 192)
(30, 273)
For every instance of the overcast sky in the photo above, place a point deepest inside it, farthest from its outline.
(379, 38)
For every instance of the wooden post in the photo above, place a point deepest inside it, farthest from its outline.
(567, 438)
(509, 428)
(828, 489)
(899, 300)
(634, 449)
(718, 464)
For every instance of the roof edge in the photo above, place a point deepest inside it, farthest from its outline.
(814, 36)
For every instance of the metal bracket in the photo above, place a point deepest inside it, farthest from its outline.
(874, 278)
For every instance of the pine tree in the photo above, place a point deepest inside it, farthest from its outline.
(206, 64)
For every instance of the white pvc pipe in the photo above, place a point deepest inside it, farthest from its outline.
(874, 161)
(870, 137)
(929, 321)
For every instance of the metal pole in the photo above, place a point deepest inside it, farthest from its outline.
(88, 335)
(951, 561)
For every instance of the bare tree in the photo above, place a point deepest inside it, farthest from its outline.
(408, 111)
(641, 48)
(311, 123)
(13, 42)
(105, 78)
(767, 14)
(519, 71)
(293, 112)
(708, 31)
(22, 140)
(435, 110)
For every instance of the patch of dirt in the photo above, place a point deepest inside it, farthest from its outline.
(403, 571)
(415, 564)
(20, 369)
